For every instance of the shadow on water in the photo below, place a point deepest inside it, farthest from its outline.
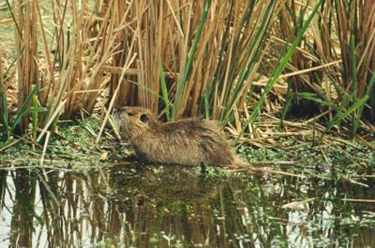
(160, 206)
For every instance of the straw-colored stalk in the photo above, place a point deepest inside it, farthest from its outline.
(79, 58)
(355, 23)
(291, 19)
(192, 58)
(27, 53)
(211, 78)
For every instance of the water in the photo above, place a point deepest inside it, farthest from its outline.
(153, 206)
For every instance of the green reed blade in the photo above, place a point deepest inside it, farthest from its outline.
(25, 107)
(4, 112)
(14, 18)
(369, 89)
(164, 90)
(185, 77)
(280, 68)
(315, 98)
(353, 67)
(341, 116)
(34, 113)
(248, 65)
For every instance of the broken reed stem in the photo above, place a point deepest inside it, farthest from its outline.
(263, 82)
(2, 149)
(45, 148)
(358, 200)
(50, 121)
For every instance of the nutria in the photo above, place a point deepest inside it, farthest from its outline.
(184, 142)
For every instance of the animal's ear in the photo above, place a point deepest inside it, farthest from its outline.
(144, 118)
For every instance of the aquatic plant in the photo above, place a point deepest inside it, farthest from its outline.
(225, 60)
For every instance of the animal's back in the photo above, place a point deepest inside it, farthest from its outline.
(189, 142)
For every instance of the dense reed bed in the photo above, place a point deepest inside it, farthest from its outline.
(241, 62)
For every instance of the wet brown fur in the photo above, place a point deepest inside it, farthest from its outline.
(184, 142)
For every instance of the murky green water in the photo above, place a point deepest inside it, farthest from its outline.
(154, 206)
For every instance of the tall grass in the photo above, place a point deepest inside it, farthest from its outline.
(356, 28)
(343, 37)
(188, 58)
(68, 75)
(198, 59)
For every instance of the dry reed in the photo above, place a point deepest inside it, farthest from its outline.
(217, 59)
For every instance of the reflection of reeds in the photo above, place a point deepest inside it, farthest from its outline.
(143, 206)
(3, 186)
(23, 212)
(193, 58)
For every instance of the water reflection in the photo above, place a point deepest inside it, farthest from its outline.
(142, 206)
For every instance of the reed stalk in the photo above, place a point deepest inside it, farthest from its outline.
(213, 59)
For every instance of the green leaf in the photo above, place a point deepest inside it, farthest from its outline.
(24, 109)
(185, 77)
(361, 108)
(164, 90)
(4, 113)
(341, 116)
(280, 68)
(34, 113)
(315, 98)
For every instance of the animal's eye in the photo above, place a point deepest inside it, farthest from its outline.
(144, 118)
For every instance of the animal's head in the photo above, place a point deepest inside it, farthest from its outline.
(132, 121)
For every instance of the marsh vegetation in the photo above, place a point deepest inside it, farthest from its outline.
(291, 83)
